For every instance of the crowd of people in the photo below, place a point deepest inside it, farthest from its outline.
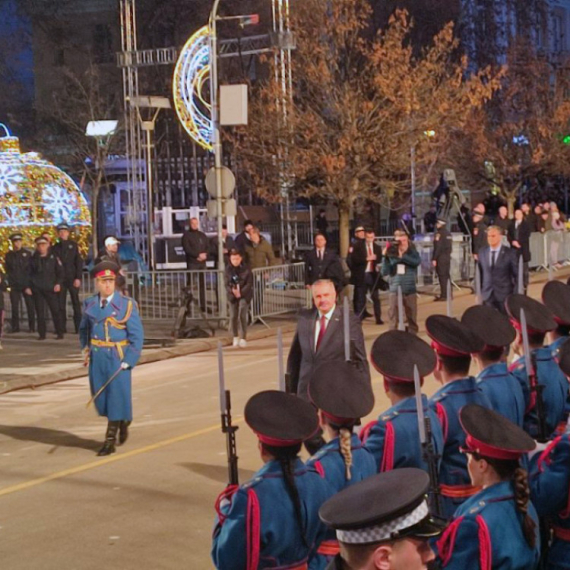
(482, 482)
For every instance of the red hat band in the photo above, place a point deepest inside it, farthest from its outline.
(473, 445)
(105, 274)
(518, 327)
(446, 351)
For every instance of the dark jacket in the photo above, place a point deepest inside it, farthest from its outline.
(430, 219)
(479, 237)
(241, 241)
(327, 268)
(500, 281)
(228, 245)
(3, 286)
(195, 242)
(68, 253)
(358, 262)
(503, 223)
(47, 272)
(18, 269)
(521, 235)
(260, 254)
(410, 261)
(303, 359)
(242, 276)
(442, 247)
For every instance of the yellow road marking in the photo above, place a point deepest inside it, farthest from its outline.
(107, 460)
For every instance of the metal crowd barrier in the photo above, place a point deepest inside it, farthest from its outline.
(549, 249)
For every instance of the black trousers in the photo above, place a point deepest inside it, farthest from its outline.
(66, 287)
(15, 301)
(443, 274)
(372, 287)
(49, 299)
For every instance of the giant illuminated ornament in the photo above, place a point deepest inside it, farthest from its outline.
(35, 196)
(191, 78)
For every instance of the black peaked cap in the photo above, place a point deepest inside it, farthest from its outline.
(453, 335)
(280, 416)
(494, 328)
(539, 318)
(342, 390)
(395, 353)
(556, 296)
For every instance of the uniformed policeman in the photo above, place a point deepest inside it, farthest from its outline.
(441, 259)
(550, 487)
(111, 337)
(393, 439)
(383, 523)
(454, 344)
(343, 395)
(67, 251)
(539, 321)
(272, 520)
(494, 380)
(45, 285)
(497, 527)
(18, 269)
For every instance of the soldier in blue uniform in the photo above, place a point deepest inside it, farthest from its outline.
(454, 344)
(383, 522)
(272, 520)
(111, 337)
(393, 439)
(550, 487)
(498, 527)
(494, 380)
(343, 394)
(539, 321)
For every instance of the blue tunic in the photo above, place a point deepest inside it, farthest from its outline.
(554, 394)
(258, 528)
(554, 347)
(114, 335)
(486, 534)
(455, 483)
(394, 438)
(504, 392)
(550, 492)
(329, 462)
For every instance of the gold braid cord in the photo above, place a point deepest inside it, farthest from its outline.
(346, 450)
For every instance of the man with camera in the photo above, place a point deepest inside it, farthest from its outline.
(401, 261)
(239, 285)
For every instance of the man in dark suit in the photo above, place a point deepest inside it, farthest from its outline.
(366, 258)
(323, 263)
(319, 338)
(498, 267)
(519, 238)
(441, 259)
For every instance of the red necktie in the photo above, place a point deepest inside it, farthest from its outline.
(321, 331)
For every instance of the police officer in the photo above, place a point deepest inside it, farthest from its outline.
(18, 269)
(393, 439)
(45, 280)
(497, 527)
(272, 520)
(454, 344)
(67, 251)
(539, 321)
(494, 380)
(343, 395)
(441, 259)
(383, 523)
(550, 487)
(111, 337)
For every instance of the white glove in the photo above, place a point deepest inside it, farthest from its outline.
(125, 366)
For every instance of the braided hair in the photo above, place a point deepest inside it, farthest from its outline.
(509, 469)
(287, 457)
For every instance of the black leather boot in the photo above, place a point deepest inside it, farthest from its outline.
(124, 431)
(110, 437)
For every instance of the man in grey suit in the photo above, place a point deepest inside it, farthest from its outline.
(319, 338)
(498, 265)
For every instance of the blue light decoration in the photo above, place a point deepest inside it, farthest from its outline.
(35, 196)
(190, 83)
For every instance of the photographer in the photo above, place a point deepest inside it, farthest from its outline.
(239, 285)
(401, 261)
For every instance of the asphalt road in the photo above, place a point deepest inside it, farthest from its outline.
(150, 505)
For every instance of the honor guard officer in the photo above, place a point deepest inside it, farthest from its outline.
(539, 321)
(18, 269)
(494, 380)
(393, 439)
(272, 520)
(454, 344)
(383, 523)
(441, 260)
(497, 527)
(111, 337)
(45, 279)
(343, 395)
(550, 487)
(67, 251)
